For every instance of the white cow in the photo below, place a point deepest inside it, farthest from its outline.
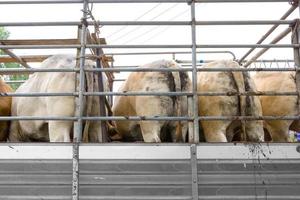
(59, 106)
(153, 131)
(223, 131)
(278, 105)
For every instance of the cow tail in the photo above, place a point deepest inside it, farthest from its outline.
(239, 81)
(181, 85)
(89, 101)
(177, 82)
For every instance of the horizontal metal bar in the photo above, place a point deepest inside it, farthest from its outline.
(99, 118)
(272, 60)
(62, 94)
(136, 1)
(184, 1)
(12, 118)
(246, 22)
(206, 118)
(199, 46)
(38, 94)
(271, 93)
(41, 2)
(239, 1)
(90, 1)
(70, 23)
(151, 118)
(39, 46)
(137, 93)
(31, 70)
(247, 118)
(144, 69)
(188, 23)
(244, 61)
(150, 46)
(169, 52)
(150, 23)
(137, 118)
(137, 69)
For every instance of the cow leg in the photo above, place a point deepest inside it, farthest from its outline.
(279, 130)
(255, 131)
(178, 131)
(59, 131)
(150, 131)
(280, 135)
(3, 131)
(215, 131)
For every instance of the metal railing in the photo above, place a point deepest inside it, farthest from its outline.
(194, 46)
(192, 118)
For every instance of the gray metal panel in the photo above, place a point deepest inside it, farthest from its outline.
(225, 171)
(135, 179)
(35, 179)
(249, 179)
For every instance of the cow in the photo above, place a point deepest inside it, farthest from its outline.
(278, 130)
(5, 109)
(167, 81)
(228, 81)
(54, 106)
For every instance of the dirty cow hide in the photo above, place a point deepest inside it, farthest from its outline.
(278, 130)
(58, 106)
(153, 131)
(5, 108)
(231, 82)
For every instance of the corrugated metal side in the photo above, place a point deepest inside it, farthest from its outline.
(249, 179)
(225, 171)
(135, 179)
(35, 179)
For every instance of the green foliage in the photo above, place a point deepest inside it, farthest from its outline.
(4, 34)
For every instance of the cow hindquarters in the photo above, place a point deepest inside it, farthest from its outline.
(153, 106)
(59, 131)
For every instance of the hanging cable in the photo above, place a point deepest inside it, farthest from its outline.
(164, 29)
(124, 27)
(161, 13)
(156, 28)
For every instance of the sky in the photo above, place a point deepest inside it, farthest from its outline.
(153, 34)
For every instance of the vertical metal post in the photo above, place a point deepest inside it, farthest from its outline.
(78, 126)
(296, 40)
(194, 73)
(190, 114)
(194, 168)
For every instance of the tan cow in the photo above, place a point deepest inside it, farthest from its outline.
(223, 131)
(278, 105)
(5, 107)
(153, 131)
(50, 82)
